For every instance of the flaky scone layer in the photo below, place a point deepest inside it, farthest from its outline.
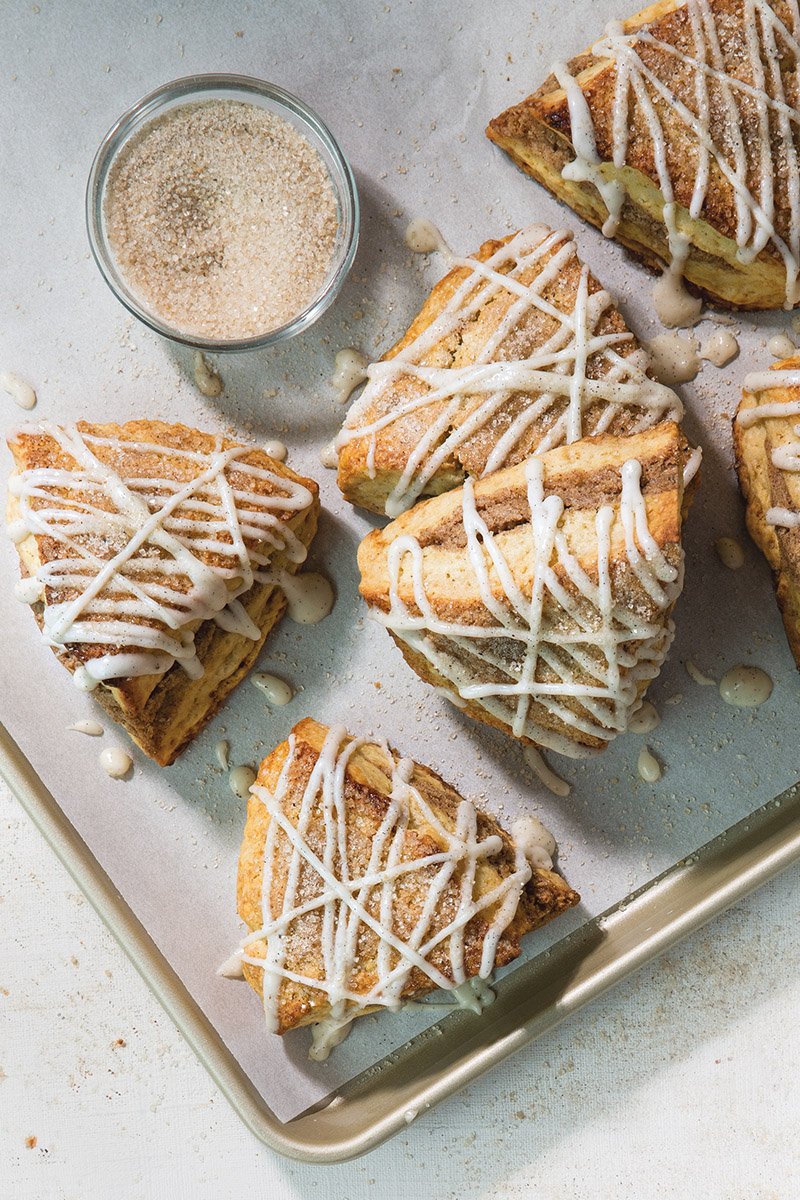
(517, 349)
(766, 486)
(161, 711)
(537, 596)
(430, 813)
(718, 165)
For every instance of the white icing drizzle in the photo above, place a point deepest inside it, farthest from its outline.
(423, 237)
(692, 465)
(585, 168)
(350, 371)
(595, 635)
(763, 381)
(730, 552)
(21, 392)
(206, 377)
(745, 687)
(712, 126)
(648, 766)
(535, 840)
(90, 728)
(645, 719)
(241, 780)
(785, 457)
(116, 763)
(557, 375)
(131, 549)
(694, 672)
(29, 590)
(719, 348)
(545, 773)
(782, 518)
(277, 691)
(222, 751)
(309, 596)
(16, 530)
(83, 681)
(348, 904)
(277, 450)
(675, 357)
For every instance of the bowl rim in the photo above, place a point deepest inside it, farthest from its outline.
(189, 87)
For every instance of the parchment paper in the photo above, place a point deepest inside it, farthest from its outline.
(408, 88)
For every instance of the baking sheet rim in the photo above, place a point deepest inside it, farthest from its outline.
(379, 1102)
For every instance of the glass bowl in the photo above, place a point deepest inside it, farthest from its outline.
(190, 90)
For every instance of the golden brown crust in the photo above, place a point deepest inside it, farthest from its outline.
(367, 475)
(586, 475)
(537, 134)
(163, 713)
(765, 486)
(367, 789)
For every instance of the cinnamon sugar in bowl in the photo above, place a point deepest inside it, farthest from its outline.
(222, 212)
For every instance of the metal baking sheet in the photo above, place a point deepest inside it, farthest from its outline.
(408, 90)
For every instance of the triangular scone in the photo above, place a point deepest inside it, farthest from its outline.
(153, 555)
(677, 133)
(541, 596)
(517, 350)
(766, 434)
(365, 879)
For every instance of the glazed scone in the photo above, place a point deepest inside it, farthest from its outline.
(516, 350)
(152, 556)
(766, 433)
(676, 133)
(366, 880)
(540, 596)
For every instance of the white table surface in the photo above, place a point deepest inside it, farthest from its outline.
(682, 1082)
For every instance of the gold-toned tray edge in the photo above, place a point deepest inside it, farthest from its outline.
(531, 1000)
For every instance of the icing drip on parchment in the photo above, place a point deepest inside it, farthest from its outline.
(730, 553)
(276, 690)
(745, 686)
(711, 121)
(116, 763)
(423, 237)
(130, 569)
(16, 387)
(240, 780)
(350, 371)
(599, 651)
(575, 369)
(545, 773)
(348, 906)
(90, 728)
(675, 358)
(780, 345)
(719, 348)
(206, 376)
(645, 719)
(648, 766)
